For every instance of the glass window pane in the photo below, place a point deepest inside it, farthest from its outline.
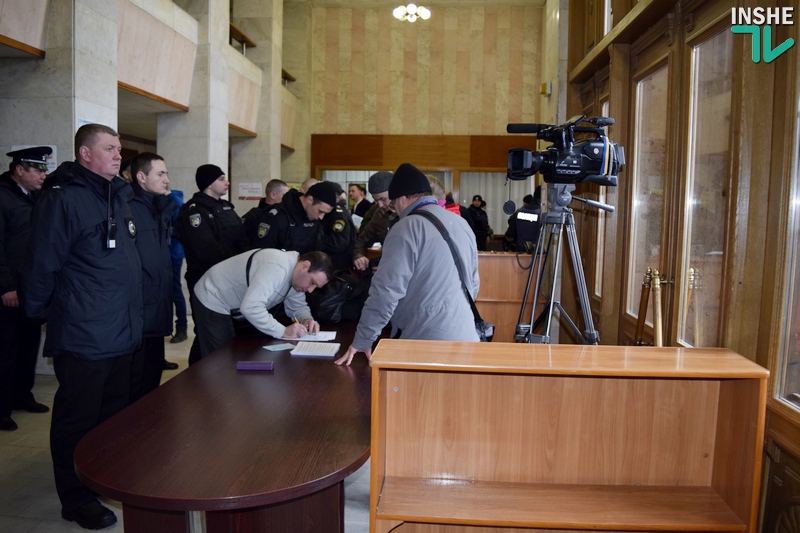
(789, 378)
(650, 144)
(707, 176)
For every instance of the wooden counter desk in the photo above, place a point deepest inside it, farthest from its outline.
(258, 451)
(496, 437)
(503, 280)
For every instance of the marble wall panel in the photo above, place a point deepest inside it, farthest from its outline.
(468, 70)
(152, 56)
(244, 95)
(25, 21)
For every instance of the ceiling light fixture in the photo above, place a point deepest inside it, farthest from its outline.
(411, 12)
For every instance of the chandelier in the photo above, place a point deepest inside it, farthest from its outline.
(411, 12)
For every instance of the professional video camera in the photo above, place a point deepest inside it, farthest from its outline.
(595, 160)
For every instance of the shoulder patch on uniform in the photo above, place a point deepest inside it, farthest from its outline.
(131, 227)
(194, 220)
(262, 230)
(338, 225)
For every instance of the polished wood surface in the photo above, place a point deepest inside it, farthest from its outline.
(214, 438)
(555, 359)
(467, 436)
(556, 506)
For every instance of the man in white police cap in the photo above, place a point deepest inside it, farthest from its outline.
(19, 335)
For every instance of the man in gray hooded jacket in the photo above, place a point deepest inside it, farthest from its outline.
(417, 285)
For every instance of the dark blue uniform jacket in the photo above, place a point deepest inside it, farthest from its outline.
(15, 228)
(89, 294)
(153, 216)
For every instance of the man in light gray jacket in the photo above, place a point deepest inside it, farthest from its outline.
(417, 285)
(273, 276)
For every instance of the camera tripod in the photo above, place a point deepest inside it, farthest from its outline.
(553, 223)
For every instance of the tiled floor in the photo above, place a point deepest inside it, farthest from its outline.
(28, 500)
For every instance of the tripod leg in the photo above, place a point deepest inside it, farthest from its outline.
(591, 335)
(541, 253)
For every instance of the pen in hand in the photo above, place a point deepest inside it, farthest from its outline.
(294, 318)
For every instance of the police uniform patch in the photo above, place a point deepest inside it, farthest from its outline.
(131, 227)
(194, 220)
(273, 211)
(262, 230)
(338, 225)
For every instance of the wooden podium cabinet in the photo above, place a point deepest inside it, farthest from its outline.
(497, 437)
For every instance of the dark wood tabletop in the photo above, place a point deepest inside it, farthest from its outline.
(214, 438)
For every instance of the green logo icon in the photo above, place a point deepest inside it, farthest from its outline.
(769, 53)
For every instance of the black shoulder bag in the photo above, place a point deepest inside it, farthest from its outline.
(484, 329)
(240, 323)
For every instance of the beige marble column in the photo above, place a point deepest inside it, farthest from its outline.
(258, 160)
(187, 140)
(44, 101)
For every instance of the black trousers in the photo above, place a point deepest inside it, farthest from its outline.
(89, 392)
(19, 344)
(212, 329)
(146, 366)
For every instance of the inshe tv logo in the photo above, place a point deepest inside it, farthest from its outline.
(758, 21)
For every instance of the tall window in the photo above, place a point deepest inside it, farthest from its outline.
(789, 378)
(648, 183)
(707, 182)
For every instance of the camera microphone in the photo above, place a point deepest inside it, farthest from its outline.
(523, 128)
(509, 207)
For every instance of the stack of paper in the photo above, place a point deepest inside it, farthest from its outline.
(316, 349)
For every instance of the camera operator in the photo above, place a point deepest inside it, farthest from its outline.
(523, 225)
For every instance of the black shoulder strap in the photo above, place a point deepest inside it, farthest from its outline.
(459, 265)
(250, 262)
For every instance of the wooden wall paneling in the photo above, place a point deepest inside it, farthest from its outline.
(490, 152)
(427, 152)
(751, 179)
(783, 162)
(346, 152)
(243, 99)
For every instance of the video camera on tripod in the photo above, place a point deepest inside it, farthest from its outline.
(563, 164)
(593, 160)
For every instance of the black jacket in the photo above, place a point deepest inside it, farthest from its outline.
(481, 221)
(210, 231)
(15, 228)
(338, 237)
(89, 293)
(153, 216)
(284, 226)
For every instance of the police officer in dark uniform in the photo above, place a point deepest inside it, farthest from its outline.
(209, 229)
(523, 225)
(19, 335)
(152, 209)
(83, 276)
(294, 224)
(338, 235)
(483, 232)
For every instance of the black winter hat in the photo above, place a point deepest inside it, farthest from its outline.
(206, 175)
(408, 180)
(325, 191)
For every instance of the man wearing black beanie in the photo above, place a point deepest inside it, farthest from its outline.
(209, 229)
(293, 224)
(417, 285)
